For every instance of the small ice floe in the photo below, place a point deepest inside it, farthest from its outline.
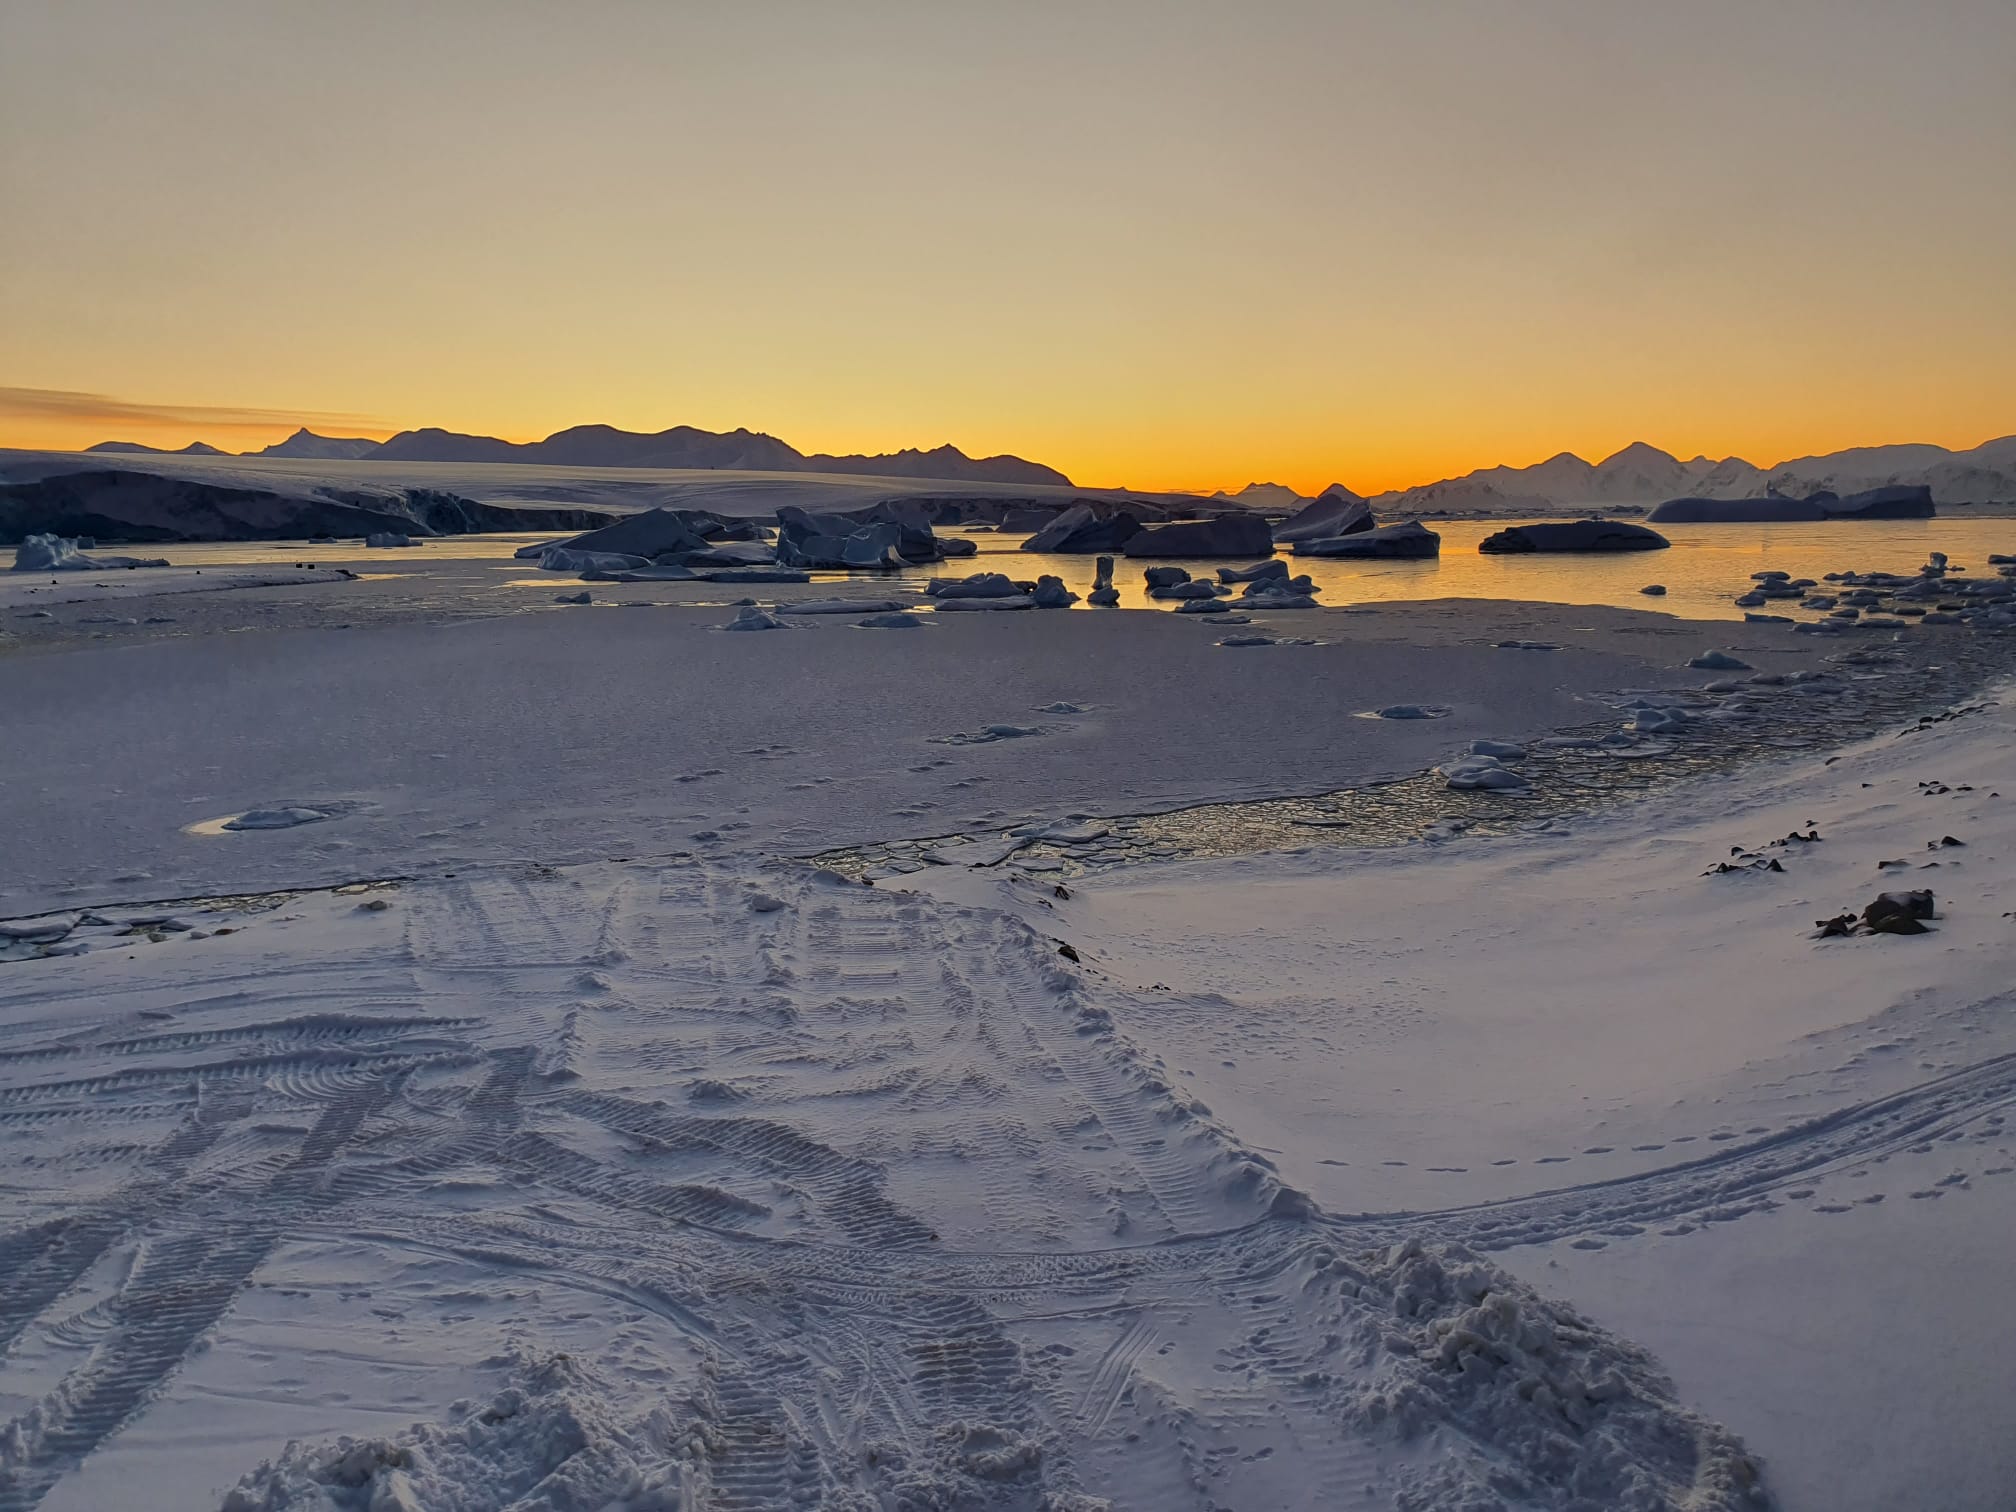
(1408, 711)
(893, 621)
(1202, 606)
(1654, 590)
(844, 606)
(1273, 568)
(1247, 640)
(42, 931)
(753, 618)
(1527, 645)
(1052, 594)
(757, 575)
(1176, 583)
(1274, 595)
(978, 585)
(1019, 601)
(1445, 829)
(1072, 831)
(1064, 707)
(988, 734)
(574, 598)
(385, 540)
(1480, 771)
(1718, 661)
(276, 818)
(1499, 750)
(1657, 716)
(977, 852)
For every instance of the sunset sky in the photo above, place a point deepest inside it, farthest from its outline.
(1158, 244)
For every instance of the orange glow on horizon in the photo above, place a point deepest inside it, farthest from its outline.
(1177, 468)
(1144, 462)
(1147, 253)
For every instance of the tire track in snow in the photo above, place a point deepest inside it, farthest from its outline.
(1731, 1182)
(182, 1284)
(42, 1263)
(849, 1191)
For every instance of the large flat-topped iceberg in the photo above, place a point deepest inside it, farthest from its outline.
(1896, 502)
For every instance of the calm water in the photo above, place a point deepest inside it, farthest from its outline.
(1702, 570)
(1705, 567)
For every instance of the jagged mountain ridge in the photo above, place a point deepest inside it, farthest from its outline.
(305, 443)
(1644, 474)
(682, 446)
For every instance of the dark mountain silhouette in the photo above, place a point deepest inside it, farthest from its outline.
(1643, 474)
(193, 449)
(305, 443)
(686, 446)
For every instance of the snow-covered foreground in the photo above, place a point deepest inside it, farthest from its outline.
(40, 590)
(577, 733)
(1313, 1181)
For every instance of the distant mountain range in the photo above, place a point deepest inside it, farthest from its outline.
(193, 449)
(1643, 474)
(1640, 474)
(683, 446)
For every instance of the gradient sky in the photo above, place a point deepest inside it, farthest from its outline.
(1160, 244)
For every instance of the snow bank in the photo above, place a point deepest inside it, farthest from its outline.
(554, 1440)
(1524, 1400)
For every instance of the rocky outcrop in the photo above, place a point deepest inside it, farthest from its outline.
(1573, 536)
(1225, 536)
(1406, 540)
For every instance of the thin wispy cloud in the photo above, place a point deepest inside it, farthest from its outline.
(69, 406)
